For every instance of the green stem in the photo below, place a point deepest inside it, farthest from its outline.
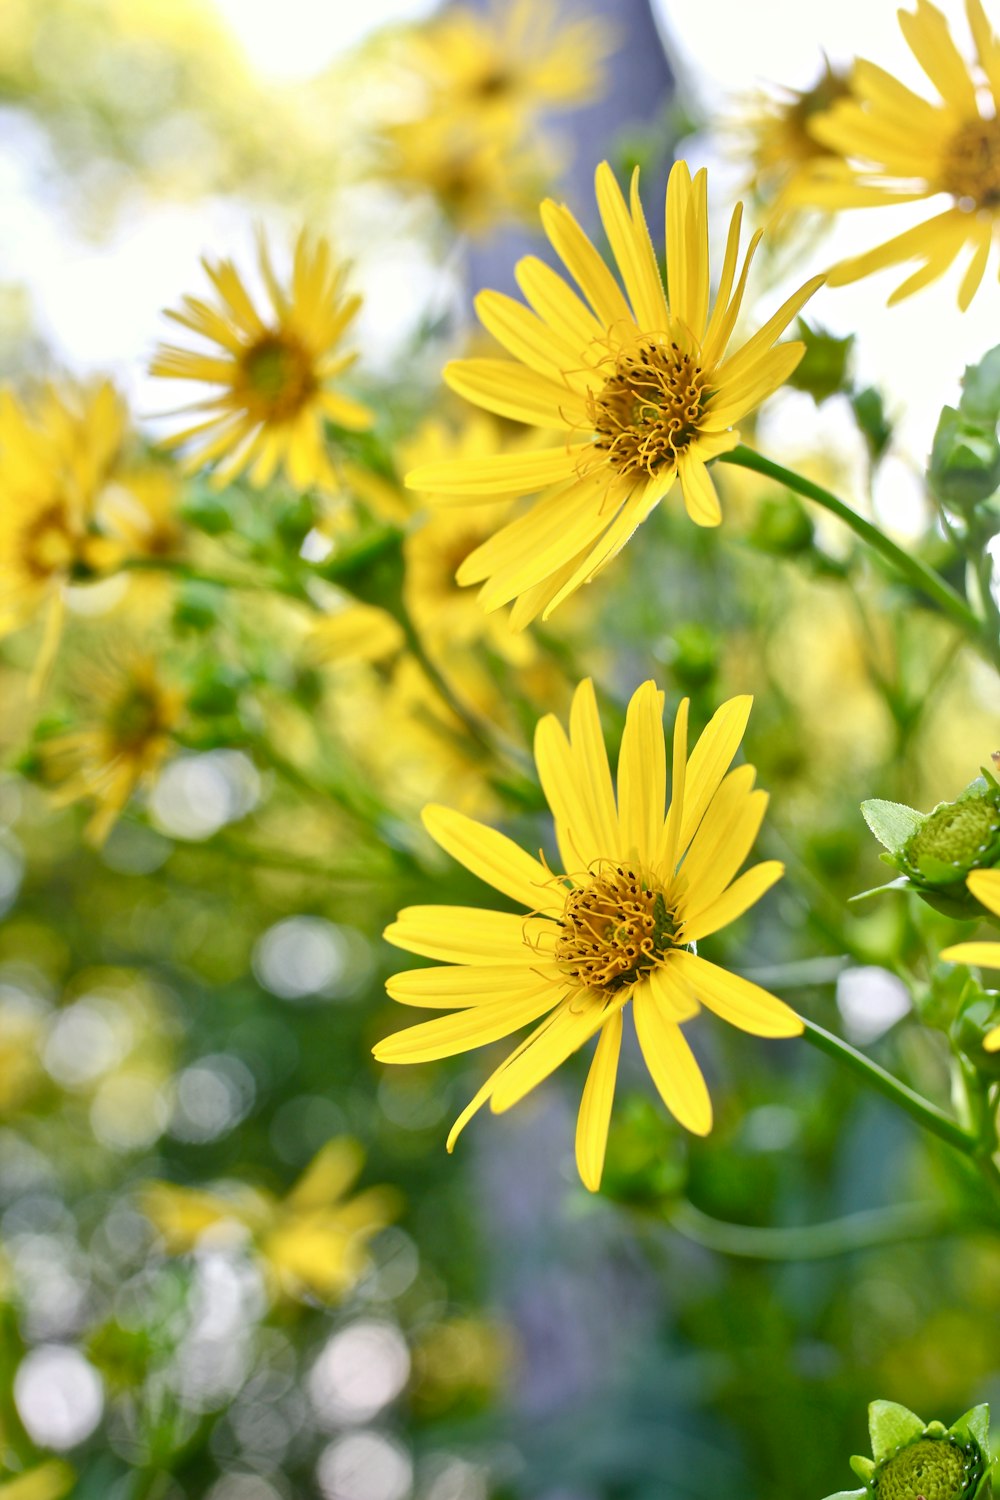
(916, 1106)
(931, 584)
(861, 1231)
(247, 583)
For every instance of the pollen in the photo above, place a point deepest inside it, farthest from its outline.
(614, 930)
(650, 408)
(971, 167)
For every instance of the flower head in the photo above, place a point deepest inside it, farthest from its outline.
(985, 886)
(917, 1460)
(637, 382)
(776, 132)
(637, 889)
(899, 147)
(273, 370)
(311, 1241)
(56, 454)
(130, 713)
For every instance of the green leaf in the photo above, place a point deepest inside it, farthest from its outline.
(892, 823)
(891, 1426)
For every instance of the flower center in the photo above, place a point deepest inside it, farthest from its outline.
(278, 377)
(929, 1469)
(649, 409)
(971, 168)
(48, 544)
(137, 718)
(614, 930)
(955, 838)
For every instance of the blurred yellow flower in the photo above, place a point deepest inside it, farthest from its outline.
(273, 372)
(515, 60)
(776, 134)
(55, 457)
(129, 713)
(49, 1481)
(312, 1242)
(985, 886)
(478, 179)
(902, 148)
(640, 388)
(636, 892)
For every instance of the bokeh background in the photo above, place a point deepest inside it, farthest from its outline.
(236, 1260)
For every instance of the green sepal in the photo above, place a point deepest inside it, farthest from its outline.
(901, 883)
(975, 1423)
(980, 399)
(891, 1426)
(863, 1467)
(892, 823)
(848, 1495)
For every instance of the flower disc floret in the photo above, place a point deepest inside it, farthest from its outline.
(648, 411)
(955, 838)
(929, 1469)
(614, 930)
(971, 167)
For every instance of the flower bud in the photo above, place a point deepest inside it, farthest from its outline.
(965, 459)
(912, 1460)
(955, 838)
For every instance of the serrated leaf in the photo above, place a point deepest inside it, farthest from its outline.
(892, 823)
(890, 1426)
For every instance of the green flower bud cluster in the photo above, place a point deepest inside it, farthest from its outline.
(965, 458)
(914, 1460)
(935, 851)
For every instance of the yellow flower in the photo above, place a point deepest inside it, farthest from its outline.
(518, 60)
(274, 371)
(312, 1241)
(478, 178)
(55, 457)
(985, 886)
(637, 891)
(641, 389)
(130, 713)
(777, 136)
(903, 148)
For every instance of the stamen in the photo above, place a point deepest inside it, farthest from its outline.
(614, 930)
(649, 409)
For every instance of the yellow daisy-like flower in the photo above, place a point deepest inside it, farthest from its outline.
(479, 178)
(274, 370)
(55, 457)
(985, 886)
(517, 60)
(638, 382)
(638, 890)
(776, 134)
(903, 148)
(131, 713)
(311, 1241)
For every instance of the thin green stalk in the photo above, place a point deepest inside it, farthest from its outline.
(916, 1106)
(931, 584)
(892, 1225)
(247, 583)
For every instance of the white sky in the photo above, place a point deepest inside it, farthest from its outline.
(100, 305)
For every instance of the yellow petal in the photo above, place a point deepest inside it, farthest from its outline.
(512, 390)
(741, 895)
(987, 954)
(632, 248)
(737, 1000)
(568, 1028)
(985, 886)
(991, 1041)
(455, 985)
(530, 340)
(726, 835)
(499, 474)
(930, 41)
(642, 774)
(671, 1063)
(700, 499)
(710, 760)
(672, 993)
(585, 265)
(670, 846)
(468, 934)
(595, 1107)
(446, 1036)
(493, 857)
(555, 301)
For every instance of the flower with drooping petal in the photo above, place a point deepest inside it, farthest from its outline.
(637, 889)
(272, 371)
(901, 147)
(638, 382)
(985, 886)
